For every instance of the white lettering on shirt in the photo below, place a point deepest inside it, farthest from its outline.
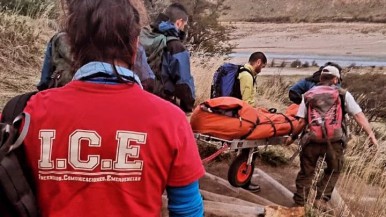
(127, 156)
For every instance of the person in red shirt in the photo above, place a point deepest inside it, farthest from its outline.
(101, 145)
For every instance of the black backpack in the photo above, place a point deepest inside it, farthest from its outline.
(16, 195)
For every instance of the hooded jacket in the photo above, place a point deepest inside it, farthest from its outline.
(174, 81)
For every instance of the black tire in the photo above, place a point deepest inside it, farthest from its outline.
(238, 174)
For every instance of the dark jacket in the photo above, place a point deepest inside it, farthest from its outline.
(176, 78)
(297, 90)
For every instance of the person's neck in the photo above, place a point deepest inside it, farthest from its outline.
(121, 63)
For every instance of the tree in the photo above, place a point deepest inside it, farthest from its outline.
(206, 35)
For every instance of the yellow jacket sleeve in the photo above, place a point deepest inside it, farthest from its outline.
(246, 88)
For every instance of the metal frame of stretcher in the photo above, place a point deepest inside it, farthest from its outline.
(237, 145)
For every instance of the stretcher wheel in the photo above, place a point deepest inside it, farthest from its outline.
(239, 173)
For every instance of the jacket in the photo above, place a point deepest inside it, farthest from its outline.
(177, 84)
(296, 91)
(248, 92)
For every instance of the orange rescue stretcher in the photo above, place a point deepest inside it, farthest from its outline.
(231, 124)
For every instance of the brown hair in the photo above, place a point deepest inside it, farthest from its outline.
(327, 79)
(257, 56)
(101, 30)
(176, 11)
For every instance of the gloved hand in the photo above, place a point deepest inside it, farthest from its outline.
(288, 141)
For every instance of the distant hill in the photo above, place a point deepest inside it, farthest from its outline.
(305, 10)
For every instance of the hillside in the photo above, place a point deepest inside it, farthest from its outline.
(305, 10)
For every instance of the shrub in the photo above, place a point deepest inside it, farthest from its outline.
(205, 33)
(283, 64)
(274, 158)
(369, 91)
(18, 41)
(274, 87)
(273, 63)
(32, 8)
(296, 64)
(306, 65)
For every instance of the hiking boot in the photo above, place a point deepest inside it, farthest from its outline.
(252, 188)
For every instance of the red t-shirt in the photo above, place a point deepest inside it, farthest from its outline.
(107, 150)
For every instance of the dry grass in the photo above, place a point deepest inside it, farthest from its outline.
(363, 185)
(203, 69)
(22, 42)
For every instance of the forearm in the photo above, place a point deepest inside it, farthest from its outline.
(299, 128)
(185, 201)
(361, 119)
(184, 93)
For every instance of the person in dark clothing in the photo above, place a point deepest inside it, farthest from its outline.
(169, 58)
(302, 86)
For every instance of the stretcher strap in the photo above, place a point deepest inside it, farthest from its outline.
(272, 124)
(289, 121)
(214, 155)
(250, 130)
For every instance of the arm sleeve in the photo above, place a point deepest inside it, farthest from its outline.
(295, 97)
(141, 67)
(185, 201)
(187, 166)
(246, 87)
(302, 111)
(181, 76)
(46, 69)
(351, 106)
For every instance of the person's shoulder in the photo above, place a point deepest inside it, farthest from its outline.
(245, 74)
(175, 46)
(305, 82)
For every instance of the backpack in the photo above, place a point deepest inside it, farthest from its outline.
(56, 71)
(16, 195)
(325, 114)
(225, 81)
(155, 44)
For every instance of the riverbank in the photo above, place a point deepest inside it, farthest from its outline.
(359, 44)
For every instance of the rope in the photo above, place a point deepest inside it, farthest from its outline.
(214, 155)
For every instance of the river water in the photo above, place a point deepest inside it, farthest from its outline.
(320, 60)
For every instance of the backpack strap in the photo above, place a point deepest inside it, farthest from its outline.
(14, 107)
(243, 69)
(345, 118)
(14, 185)
(16, 195)
(171, 38)
(8, 141)
(342, 96)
